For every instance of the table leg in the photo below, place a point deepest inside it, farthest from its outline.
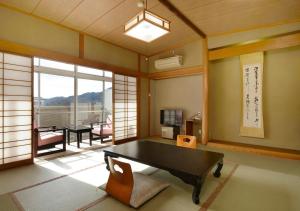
(217, 173)
(196, 191)
(196, 182)
(91, 137)
(78, 139)
(68, 137)
(106, 161)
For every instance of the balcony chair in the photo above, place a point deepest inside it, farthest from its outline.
(133, 189)
(187, 141)
(102, 129)
(47, 138)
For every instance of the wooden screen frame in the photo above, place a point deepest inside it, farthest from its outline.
(121, 141)
(30, 160)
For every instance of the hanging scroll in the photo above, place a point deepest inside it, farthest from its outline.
(252, 124)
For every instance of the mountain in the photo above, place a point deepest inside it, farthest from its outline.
(66, 101)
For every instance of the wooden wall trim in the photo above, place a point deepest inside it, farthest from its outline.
(205, 94)
(283, 41)
(25, 50)
(176, 73)
(16, 164)
(261, 150)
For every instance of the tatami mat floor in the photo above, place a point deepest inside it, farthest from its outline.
(72, 181)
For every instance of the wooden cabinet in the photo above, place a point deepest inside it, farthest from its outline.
(193, 128)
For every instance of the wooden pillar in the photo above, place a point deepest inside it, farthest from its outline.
(205, 93)
(81, 45)
(139, 97)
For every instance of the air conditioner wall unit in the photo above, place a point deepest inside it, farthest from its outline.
(167, 63)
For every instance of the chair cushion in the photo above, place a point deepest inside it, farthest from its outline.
(145, 188)
(106, 131)
(49, 138)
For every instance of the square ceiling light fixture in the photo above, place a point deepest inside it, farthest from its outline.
(147, 26)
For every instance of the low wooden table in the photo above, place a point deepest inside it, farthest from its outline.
(190, 165)
(79, 130)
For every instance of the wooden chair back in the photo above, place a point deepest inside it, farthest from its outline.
(120, 183)
(187, 141)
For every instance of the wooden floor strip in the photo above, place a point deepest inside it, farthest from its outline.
(256, 149)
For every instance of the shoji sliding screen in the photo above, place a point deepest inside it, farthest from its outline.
(125, 107)
(15, 109)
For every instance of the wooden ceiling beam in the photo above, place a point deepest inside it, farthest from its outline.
(182, 17)
(284, 41)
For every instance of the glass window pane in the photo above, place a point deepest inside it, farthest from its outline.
(36, 61)
(108, 99)
(90, 101)
(108, 74)
(90, 71)
(56, 65)
(57, 100)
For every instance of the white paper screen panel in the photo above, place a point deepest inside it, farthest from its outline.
(15, 108)
(1, 110)
(125, 107)
(17, 75)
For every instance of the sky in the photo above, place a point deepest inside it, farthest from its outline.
(55, 86)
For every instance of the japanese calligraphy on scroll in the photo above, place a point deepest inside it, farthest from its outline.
(252, 84)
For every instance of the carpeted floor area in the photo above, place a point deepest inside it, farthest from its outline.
(70, 182)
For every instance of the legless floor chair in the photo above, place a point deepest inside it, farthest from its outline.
(187, 141)
(133, 189)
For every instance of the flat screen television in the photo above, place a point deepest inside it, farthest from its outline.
(171, 117)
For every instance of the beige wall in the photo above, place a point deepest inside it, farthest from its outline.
(98, 50)
(181, 93)
(281, 104)
(25, 29)
(192, 55)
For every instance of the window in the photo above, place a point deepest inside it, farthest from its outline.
(90, 71)
(125, 104)
(54, 64)
(56, 101)
(90, 101)
(67, 94)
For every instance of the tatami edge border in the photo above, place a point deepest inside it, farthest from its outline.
(16, 202)
(92, 203)
(218, 189)
(56, 178)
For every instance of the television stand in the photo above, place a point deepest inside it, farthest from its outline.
(170, 132)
